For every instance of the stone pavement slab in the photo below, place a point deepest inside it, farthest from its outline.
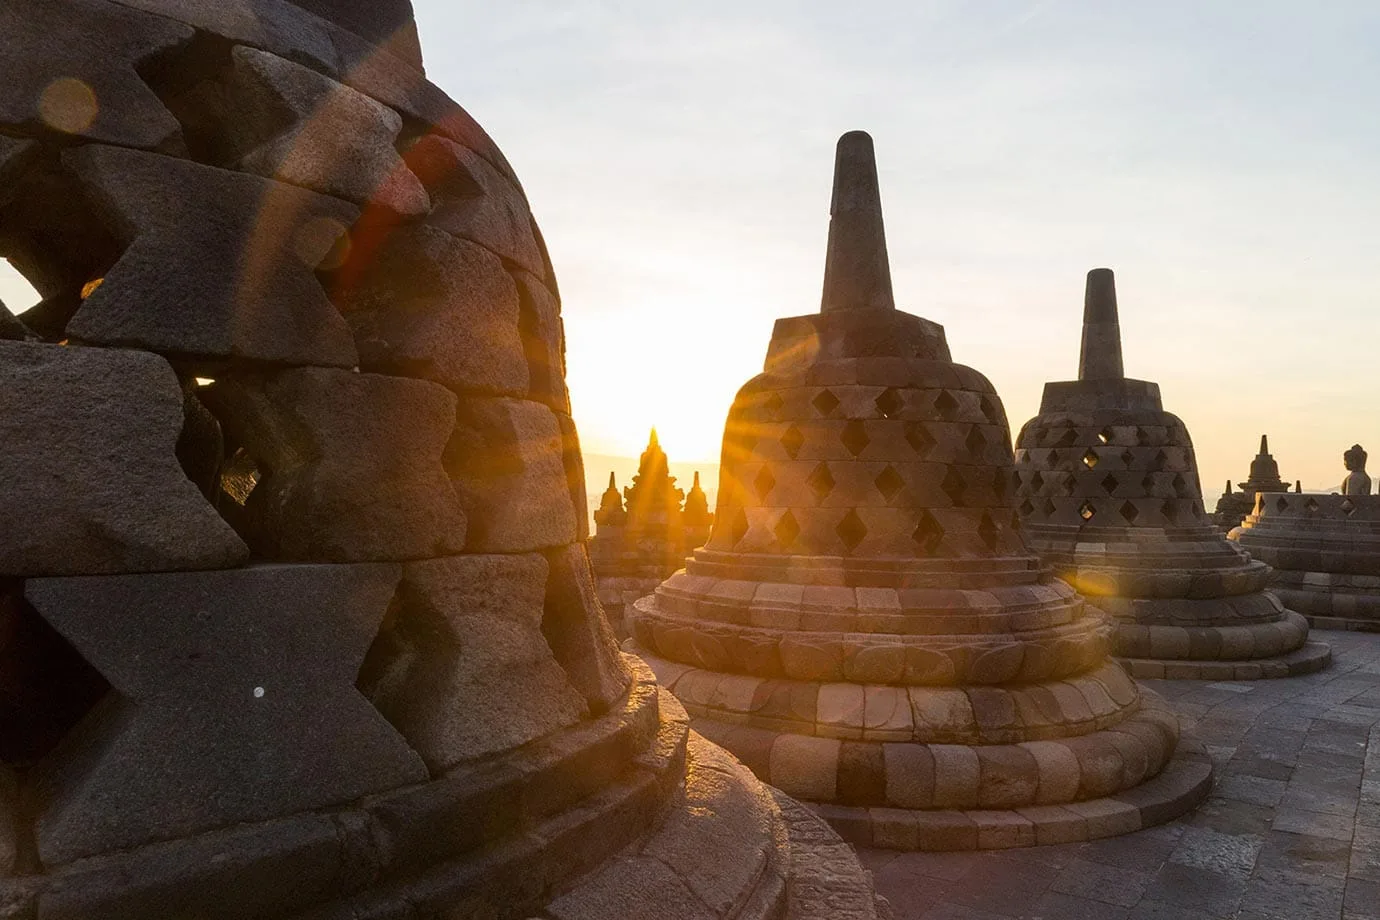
(1290, 832)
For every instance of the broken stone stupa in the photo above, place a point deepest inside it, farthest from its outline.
(296, 619)
(1232, 507)
(1107, 487)
(866, 628)
(635, 547)
(1325, 549)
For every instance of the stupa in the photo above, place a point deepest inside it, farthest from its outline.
(1107, 488)
(1325, 549)
(1232, 507)
(296, 620)
(866, 628)
(634, 548)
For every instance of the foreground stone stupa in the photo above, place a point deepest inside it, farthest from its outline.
(866, 628)
(296, 619)
(1107, 487)
(1325, 549)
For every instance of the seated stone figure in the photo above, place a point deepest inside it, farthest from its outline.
(1356, 481)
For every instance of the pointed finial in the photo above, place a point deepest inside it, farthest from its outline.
(653, 442)
(1228, 486)
(1298, 485)
(1100, 357)
(612, 484)
(1264, 445)
(857, 274)
(697, 480)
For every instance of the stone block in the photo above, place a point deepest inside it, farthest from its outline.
(505, 459)
(282, 28)
(71, 69)
(292, 124)
(943, 831)
(246, 249)
(957, 773)
(909, 775)
(92, 482)
(575, 627)
(464, 670)
(805, 767)
(1059, 773)
(1107, 817)
(894, 829)
(543, 340)
(1009, 777)
(240, 685)
(350, 464)
(425, 304)
(473, 201)
(1001, 830)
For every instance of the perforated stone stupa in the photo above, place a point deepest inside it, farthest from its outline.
(296, 619)
(1107, 487)
(1232, 507)
(866, 628)
(1325, 549)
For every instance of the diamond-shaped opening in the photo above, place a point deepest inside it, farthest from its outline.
(1281, 503)
(1157, 464)
(1105, 435)
(1181, 486)
(1086, 511)
(1037, 482)
(855, 437)
(946, 405)
(976, 442)
(1347, 507)
(1090, 459)
(1069, 439)
(1130, 512)
(1052, 460)
(889, 483)
(953, 485)
(889, 404)
(990, 410)
(1147, 484)
(1311, 505)
(740, 527)
(1049, 507)
(786, 530)
(851, 530)
(928, 534)
(791, 441)
(1109, 484)
(48, 687)
(1127, 458)
(919, 438)
(1170, 510)
(773, 404)
(825, 403)
(1026, 509)
(989, 531)
(1142, 437)
(764, 483)
(821, 481)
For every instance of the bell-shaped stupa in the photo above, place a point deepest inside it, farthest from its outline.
(1232, 507)
(866, 628)
(1107, 487)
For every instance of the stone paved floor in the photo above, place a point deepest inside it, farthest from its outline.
(1291, 831)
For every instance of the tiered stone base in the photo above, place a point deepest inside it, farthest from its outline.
(1255, 652)
(1332, 600)
(942, 768)
(652, 810)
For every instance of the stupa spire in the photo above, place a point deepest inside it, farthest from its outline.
(1264, 445)
(1100, 356)
(857, 274)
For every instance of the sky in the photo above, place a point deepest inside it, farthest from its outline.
(1219, 156)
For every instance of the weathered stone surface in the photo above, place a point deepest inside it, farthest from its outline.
(240, 685)
(12, 328)
(9, 822)
(70, 68)
(543, 339)
(245, 250)
(575, 627)
(574, 464)
(92, 484)
(464, 670)
(473, 201)
(300, 127)
(386, 23)
(426, 304)
(272, 25)
(505, 459)
(350, 464)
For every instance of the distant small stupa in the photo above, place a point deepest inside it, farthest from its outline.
(1233, 507)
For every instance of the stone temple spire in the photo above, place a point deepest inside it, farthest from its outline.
(1100, 356)
(857, 274)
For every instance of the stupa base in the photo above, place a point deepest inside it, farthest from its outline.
(1177, 790)
(1332, 601)
(1307, 659)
